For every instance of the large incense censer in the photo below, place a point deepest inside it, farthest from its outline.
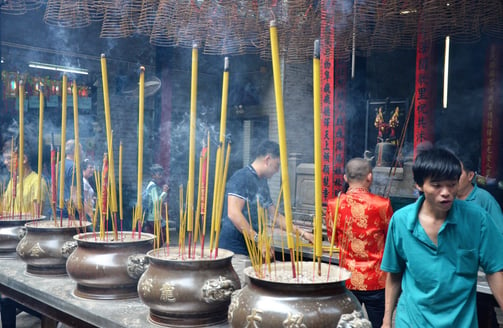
(100, 268)
(44, 247)
(11, 232)
(182, 292)
(309, 300)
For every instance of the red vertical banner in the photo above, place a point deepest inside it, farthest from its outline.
(341, 83)
(491, 113)
(424, 123)
(327, 47)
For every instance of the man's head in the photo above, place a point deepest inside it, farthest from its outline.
(436, 164)
(157, 172)
(87, 168)
(70, 149)
(358, 172)
(436, 172)
(267, 159)
(469, 169)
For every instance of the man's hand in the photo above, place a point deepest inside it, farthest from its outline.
(308, 236)
(165, 188)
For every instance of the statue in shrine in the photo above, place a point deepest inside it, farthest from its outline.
(386, 137)
(386, 130)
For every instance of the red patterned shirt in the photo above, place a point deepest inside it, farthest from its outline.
(362, 225)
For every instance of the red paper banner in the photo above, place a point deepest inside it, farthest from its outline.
(491, 113)
(423, 112)
(327, 46)
(341, 82)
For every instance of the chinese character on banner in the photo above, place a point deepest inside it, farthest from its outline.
(423, 117)
(327, 44)
(492, 109)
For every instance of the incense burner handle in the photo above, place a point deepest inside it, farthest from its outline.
(21, 233)
(137, 264)
(68, 248)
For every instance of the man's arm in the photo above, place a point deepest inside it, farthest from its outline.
(234, 212)
(495, 281)
(281, 222)
(392, 292)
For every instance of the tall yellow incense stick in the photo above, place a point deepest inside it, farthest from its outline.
(120, 180)
(21, 146)
(192, 140)
(220, 152)
(76, 156)
(40, 148)
(108, 123)
(63, 142)
(282, 136)
(317, 151)
(141, 107)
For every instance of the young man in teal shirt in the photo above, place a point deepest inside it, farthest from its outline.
(434, 249)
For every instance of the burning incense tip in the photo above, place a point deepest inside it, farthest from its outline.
(142, 68)
(316, 52)
(273, 23)
(194, 45)
(102, 55)
(226, 63)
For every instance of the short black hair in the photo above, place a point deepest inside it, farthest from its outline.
(267, 147)
(469, 162)
(437, 164)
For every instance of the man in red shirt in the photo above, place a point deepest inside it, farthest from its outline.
(361, 227)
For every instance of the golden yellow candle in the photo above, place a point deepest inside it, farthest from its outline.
(21, 146)
(63, 142)
(40, 147)
(76, 154)
(120, 180)
(141, 100)
(192, 140)
(317, 151)
(108, 123)
(281, 133)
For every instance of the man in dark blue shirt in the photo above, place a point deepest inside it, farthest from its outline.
(249, 185)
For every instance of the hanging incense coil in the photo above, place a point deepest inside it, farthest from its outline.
(64, 13)
(465, 21)
(19, 7)
(162, 34)
(491, 18)
(459, 19)
(143, 14)
(96, 10)
(189, 23)
(303, 27)
(402, 17)
(117, 22)
(224, 28)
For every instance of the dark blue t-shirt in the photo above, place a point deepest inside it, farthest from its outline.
(245, 184)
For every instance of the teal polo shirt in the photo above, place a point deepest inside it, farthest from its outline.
(439, 281)
(484, 199)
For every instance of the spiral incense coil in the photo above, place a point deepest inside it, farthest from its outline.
(117, 22)
(71, 14)
(490, 18)
(143, 14)
(19, 7)
(163, 30)
(96, 10)
(224, 26)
